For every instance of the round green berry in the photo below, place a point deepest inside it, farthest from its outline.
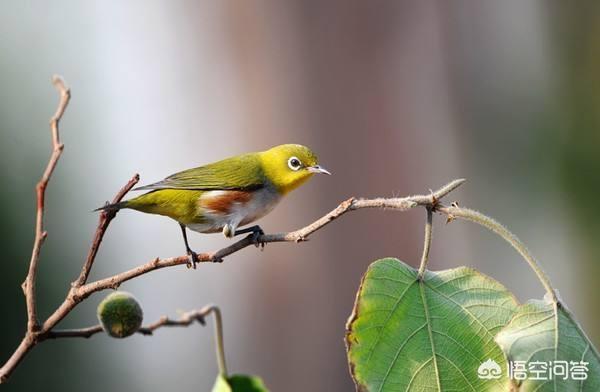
(120, 314)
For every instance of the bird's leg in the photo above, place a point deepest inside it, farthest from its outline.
(193, 255)
(256, 233)
(251, 229)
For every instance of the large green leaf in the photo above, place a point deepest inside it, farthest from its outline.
(407, 334)
(239, 383)
(539, 337)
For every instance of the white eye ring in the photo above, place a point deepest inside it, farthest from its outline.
(294, 163)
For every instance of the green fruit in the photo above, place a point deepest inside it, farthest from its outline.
(120, 314)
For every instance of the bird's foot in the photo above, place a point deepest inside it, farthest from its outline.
(255, 233)
(256, 238)
(192, 259)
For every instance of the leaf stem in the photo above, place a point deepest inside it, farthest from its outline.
(496, 227)
(426, 242)
(219, 345)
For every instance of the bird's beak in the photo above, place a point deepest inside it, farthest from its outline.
(318, 169)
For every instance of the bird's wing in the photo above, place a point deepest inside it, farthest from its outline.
(238, 173)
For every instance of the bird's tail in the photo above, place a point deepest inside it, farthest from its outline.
(113, 207)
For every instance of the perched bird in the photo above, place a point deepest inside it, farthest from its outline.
(227, 194)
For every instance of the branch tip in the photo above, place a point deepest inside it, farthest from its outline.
(452, 185)
(59, 82)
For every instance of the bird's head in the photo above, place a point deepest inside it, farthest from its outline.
(288, 166)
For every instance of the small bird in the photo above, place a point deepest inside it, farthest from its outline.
(227, 194)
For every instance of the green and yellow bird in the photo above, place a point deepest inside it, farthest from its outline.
(227, 194)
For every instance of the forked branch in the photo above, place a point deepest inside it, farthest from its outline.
(40, 234)
(186, 319)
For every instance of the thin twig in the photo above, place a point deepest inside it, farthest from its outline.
(75, 333)
(496, 227)
(40, 234)
(185, 320)
(219, 344)
(426, 243)
(106, 216)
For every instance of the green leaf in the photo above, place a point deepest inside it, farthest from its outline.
(533, 336)
(407, 334)
(239, 383)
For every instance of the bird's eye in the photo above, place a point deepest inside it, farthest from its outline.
(294, 163)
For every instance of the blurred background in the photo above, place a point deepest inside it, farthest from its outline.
(396, 97)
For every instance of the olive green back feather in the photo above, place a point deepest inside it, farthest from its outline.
(243, 172)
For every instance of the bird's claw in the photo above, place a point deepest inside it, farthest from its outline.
(255, 236)
(192, 259)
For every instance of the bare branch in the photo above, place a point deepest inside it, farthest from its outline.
(75, 333)
(185, 320)
(40, 234)
(40, 334)
(106, 216)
